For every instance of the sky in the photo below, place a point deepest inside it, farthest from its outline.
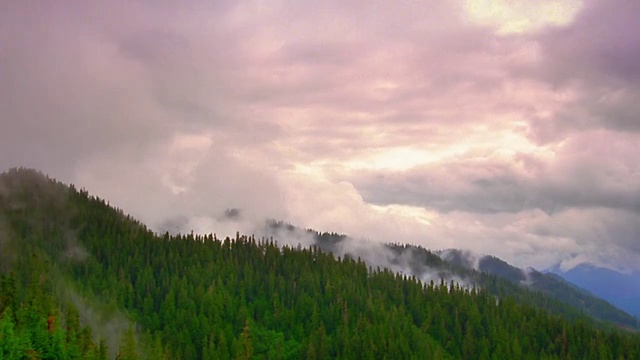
(509, 128)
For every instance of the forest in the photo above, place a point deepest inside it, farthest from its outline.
(80, 279)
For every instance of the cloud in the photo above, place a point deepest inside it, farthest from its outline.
(604, 237)
(433, 123)
(592, 170)
(579, 197)
(593, 61)
(67, 94)
(522, 16)
(601, 42)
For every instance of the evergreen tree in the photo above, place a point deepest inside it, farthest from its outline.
(10, 346)
(129, 347)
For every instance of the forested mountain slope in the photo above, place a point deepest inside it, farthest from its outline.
(193, 296)
(550, 285)
(621, 289)
(488, 272)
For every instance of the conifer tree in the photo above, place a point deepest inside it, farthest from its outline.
(129, 347)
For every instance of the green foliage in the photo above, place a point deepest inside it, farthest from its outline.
(36, 331)
(201, 297)
(10, 344)
(129, 348)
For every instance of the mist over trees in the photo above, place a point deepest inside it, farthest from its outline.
(194, 296)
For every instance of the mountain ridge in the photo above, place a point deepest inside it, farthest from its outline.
(411, 260)
(455, 261)
(196, 296)
(622, 290)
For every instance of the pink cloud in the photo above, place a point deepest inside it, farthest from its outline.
(313, 108)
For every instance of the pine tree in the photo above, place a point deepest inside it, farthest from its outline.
(246, 351)
(128, 347)
(9, 341)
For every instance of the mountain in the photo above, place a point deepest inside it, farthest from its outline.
(527, 285)
(556, 287)
(468, 269)
(622, 290)
(83, 280)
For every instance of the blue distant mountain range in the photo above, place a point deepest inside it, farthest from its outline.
(621, 290)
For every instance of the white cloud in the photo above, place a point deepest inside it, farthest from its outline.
(521, 16)
(499, 133)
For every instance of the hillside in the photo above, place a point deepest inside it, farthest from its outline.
(548, 284)
(488, 272)
(69, 261)
(622, 290)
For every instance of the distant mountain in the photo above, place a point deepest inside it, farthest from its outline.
(574, 293)
(622, 290)
(80, 279)
(487, 272)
